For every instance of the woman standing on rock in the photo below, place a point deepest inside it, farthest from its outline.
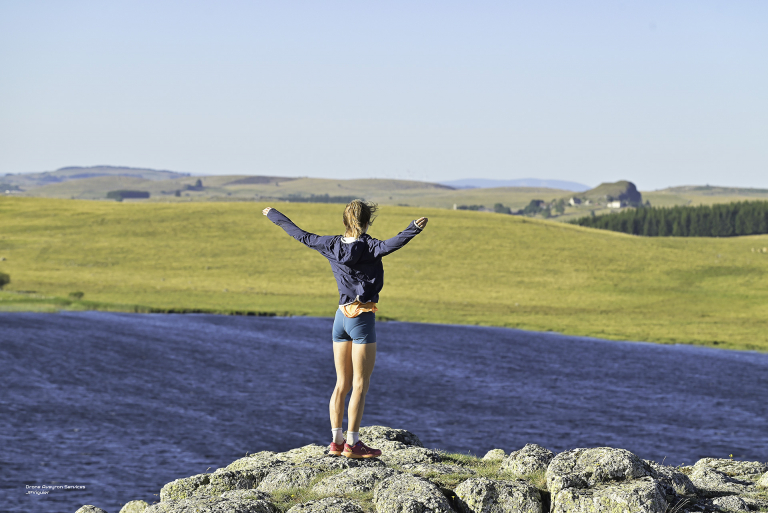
(355, 259)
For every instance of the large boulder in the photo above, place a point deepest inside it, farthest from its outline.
(327, 505)
(643, 495)
(483, 495)
(585, 468)
(734, 468)
(403, 493)
(528, 460)
(134, 507)
(675, 482)
(411, 455)
(287, 477)
(90, 509)
(730, 504)
(353, 480)
(204, 485)
(236, 501)
(373, 434)
(495, 455)
(713, 483)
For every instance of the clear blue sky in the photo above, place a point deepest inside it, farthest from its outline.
(658, 92)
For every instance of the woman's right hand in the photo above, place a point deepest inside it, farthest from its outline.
(421, 222)
(266, 210)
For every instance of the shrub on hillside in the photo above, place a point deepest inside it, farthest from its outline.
(4, 280)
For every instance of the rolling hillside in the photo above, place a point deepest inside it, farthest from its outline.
(466, 268)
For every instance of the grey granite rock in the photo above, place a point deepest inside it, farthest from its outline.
(642, 495)
(375, 433)
(353, 480)
(327, 505)
(427, 469)
(528, 460)
(301, 453)
(763, 481)
(90, 509)
(134, 507)
(675, 482)
(327, 462)
(483, 495)
(411, 455)
(403, 493)
(263, 459)
(585, 468)
(495, 455)
(713, 483)
(287, 477)
(734, 468)
(730, 504)
(204, 485)
(237, 501)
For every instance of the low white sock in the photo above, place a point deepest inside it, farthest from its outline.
(338, 435)
(352, 437)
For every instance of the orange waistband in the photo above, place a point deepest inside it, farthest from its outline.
(356, 308)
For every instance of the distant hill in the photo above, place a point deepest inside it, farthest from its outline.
(610, 191)
(65, 174)
(482, 183)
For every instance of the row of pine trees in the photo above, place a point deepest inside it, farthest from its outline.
(722, 220)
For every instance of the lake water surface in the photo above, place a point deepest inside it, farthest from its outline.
(122, 403)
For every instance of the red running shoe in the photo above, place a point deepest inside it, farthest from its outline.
(360, 450)
(335, 449)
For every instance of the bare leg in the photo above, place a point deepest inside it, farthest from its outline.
(363, 359)
(342, 358)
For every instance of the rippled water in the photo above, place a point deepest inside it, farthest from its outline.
(123, 403)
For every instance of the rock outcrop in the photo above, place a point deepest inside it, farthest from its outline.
(494, 496)
(410, 478)
(134, 507)
(530, 459)
(404, 493)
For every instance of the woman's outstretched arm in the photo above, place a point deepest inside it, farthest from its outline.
(382, 248)
(317, 242)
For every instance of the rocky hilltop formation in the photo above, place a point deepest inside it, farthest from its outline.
(409, 478)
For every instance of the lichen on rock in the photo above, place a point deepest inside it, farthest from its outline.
(134, 507)
(675, 482)
(714, 483)
(411, 455)
(404, 493)
(734, 468)
(763, 481)
(327, 505)
(642, 495)
(237, 501)
(485, 495)
(204, 485)
(585, 468)
(283, 478)
(375, 433)
(528, 460)
(426, 469)
(353, 480)
(730, 504)
(88, 508)
(495, 455)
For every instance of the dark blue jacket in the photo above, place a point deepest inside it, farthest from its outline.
(356, 265)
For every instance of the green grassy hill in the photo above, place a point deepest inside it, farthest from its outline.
(466, 268)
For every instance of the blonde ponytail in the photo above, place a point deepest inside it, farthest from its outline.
(356, 215)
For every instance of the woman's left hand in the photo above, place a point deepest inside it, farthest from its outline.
(266, 210)
(421, 222)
